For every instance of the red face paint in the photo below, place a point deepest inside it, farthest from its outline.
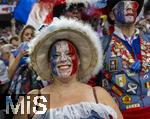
(135, 5)
(74, 57)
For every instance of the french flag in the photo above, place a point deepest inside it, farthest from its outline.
(33, 12)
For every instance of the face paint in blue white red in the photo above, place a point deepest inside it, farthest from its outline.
(125, 12)
(63, 59)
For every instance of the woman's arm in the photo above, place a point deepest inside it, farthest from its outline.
(105, 98)
(14, 63)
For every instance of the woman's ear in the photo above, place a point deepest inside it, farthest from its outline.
(79, 62)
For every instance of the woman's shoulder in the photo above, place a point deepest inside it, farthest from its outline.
(102, 95)
(100, 89)
(105, 98)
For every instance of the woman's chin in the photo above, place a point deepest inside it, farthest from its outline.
(63, 78)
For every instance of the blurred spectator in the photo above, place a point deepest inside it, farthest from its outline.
(4, 78)
(75, 11)
(14, 40)
(3, 41)
(147, 9)
(4, 85)
(98, 20)
(23, 77)
(5, 52)
(6, 32)
(144, 27)
(27, 33)
(72, 9)
(144, 24)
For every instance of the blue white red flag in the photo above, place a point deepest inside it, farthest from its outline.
(23, 9)
(33, 12)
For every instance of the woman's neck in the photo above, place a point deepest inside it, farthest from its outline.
(68, 82)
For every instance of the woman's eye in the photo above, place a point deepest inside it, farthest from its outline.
(55, 56)
(69, 54)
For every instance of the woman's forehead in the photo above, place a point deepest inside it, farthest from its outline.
(61, 42)
(63, 45)
(28, 30)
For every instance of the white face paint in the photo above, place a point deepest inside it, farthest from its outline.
(63, 59)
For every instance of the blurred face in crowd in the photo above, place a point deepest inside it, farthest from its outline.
(2, 43)
(5, 56)
(63, 59)
(15, 42)
(75, 11)
(5, 53)
(125, 12)
(28, 34)
(74, 14)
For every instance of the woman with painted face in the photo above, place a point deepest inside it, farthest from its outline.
(127, 61)
(68, 53)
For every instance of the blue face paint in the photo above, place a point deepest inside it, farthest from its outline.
(53, 57)
(119, 13)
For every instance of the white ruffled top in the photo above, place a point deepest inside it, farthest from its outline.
(83, 110)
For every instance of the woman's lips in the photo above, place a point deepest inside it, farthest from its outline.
(64, 66)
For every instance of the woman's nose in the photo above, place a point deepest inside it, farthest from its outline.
(63, 57)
